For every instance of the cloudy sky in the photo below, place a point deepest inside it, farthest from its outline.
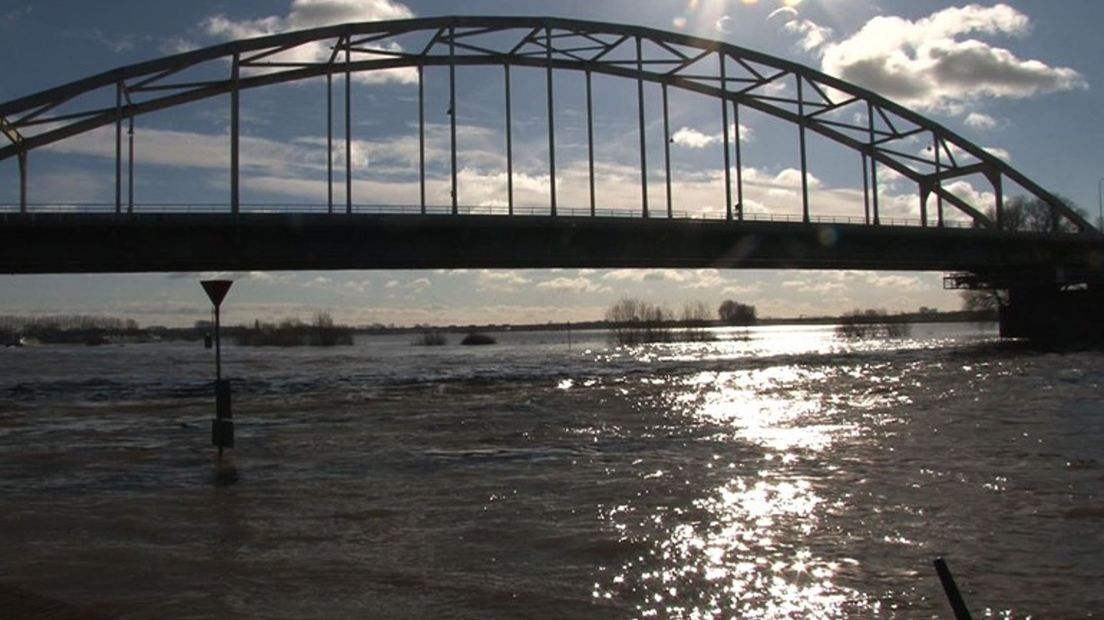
(1019, 78)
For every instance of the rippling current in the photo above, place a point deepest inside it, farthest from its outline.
(773, 473)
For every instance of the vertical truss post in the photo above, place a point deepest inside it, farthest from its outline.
(938, 184)
(804, 158)
(235, 135)
(119, 147)
(667, 152)
(590, 141)
(509, 145)
(348, 126)
(739, 163)
(998, 192)
(329, 142)
(23, 181)
(866, 191)
(640, 115)
(873, 162)
(874, 190)
(727, 139)
(452, 114)
(925, 192)
(421, 137)
(551, 121)
(130, 167)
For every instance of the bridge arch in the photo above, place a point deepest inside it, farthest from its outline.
(882, 133)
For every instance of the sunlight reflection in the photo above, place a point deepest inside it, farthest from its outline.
(748, 548)
(743, 556)
(762, 407)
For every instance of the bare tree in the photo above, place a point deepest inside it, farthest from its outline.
(1021, 214)
(735, 313)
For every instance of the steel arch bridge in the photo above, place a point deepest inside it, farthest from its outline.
(883, 136)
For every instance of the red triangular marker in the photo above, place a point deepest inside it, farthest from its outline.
(216, 289)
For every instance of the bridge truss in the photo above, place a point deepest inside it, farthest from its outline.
(885, 136)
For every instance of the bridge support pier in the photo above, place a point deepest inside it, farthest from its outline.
(1052, 314)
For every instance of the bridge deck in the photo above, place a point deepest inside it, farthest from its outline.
(89, 243)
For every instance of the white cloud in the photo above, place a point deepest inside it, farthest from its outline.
(500, 281)
(357, 287)
(267, 277)
(892, 281)
(999, 153)
(709, 279)
(308, 14)
(414, 286)
(783, 10)
(577, 284)
(305, 14)
(647, 275)
(739, 290)
(966, 191)
(177, 45)
(977, 120)
(812, 35)
(818, 286)
(791, 178)
(933, 63)
(694, 139)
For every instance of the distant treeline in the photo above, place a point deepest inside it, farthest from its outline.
(320, 332)
(633, 321)
(67, 329)
(636, 321)
(872, 323)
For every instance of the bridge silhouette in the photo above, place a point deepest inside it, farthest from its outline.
(969, 233)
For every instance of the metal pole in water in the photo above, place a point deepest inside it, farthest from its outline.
(953, 595)
(222, 427)
(218, 346)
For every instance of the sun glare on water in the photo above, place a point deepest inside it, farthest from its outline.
(746, 545)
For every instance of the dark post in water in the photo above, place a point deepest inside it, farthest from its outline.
(222, 427)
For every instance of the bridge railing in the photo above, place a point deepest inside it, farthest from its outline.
(463, 210)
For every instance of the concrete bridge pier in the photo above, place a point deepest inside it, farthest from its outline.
(1054, 314)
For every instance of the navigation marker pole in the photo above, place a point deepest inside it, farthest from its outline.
(222, 427)
(954, 597)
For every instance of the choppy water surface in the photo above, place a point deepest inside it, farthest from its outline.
(777, 473)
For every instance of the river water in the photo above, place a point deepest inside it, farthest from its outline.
(778, 472)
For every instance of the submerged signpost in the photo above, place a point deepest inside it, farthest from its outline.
(222, 427)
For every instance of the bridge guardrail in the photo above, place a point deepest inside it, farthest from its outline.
(469, 210)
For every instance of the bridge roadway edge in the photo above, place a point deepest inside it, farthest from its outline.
(178, 242)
